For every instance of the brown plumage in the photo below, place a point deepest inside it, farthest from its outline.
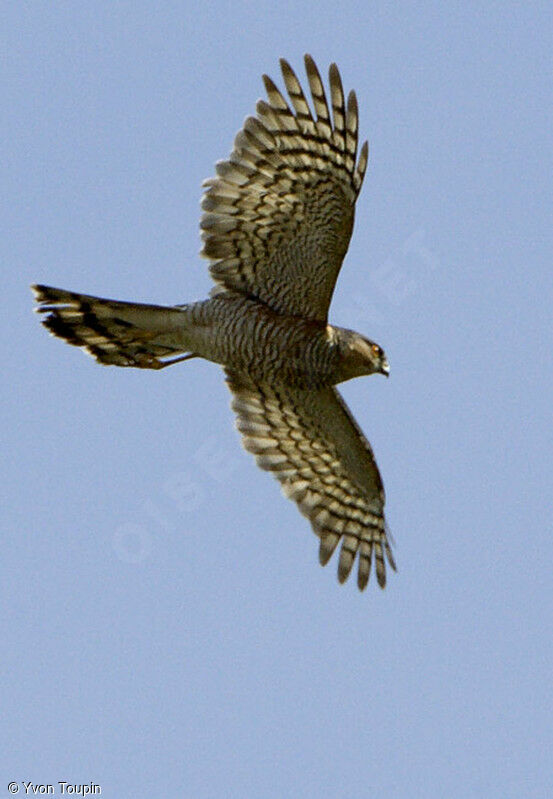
(276, 225)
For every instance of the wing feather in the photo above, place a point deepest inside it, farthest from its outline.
(314, 447)
(278, 216)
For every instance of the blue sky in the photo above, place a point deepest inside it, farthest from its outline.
(167, 629)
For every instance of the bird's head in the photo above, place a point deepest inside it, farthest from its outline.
(361, 356)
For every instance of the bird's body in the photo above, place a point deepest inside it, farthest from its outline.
(229, 329)
(276, 227)
(250, 338)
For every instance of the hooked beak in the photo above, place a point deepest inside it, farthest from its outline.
(385, 368)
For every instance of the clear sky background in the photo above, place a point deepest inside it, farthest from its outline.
(166, 628)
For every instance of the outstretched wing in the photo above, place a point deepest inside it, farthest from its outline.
(279, 215)
(314, 447)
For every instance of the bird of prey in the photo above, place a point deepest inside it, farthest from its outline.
(276, 226)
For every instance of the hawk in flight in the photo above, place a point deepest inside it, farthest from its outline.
(276, 226)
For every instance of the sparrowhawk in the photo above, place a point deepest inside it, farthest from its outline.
(276, 225)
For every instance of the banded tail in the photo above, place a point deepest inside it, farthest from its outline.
(115, 333)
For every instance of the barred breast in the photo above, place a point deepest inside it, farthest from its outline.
(248, 337)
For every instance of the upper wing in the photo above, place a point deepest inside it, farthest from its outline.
(311, 442)
(279, 215)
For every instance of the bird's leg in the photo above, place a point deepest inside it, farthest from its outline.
(186, 357)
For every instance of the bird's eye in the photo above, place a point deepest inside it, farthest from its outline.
(376, 349)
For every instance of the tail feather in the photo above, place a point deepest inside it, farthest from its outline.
(113, 332)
